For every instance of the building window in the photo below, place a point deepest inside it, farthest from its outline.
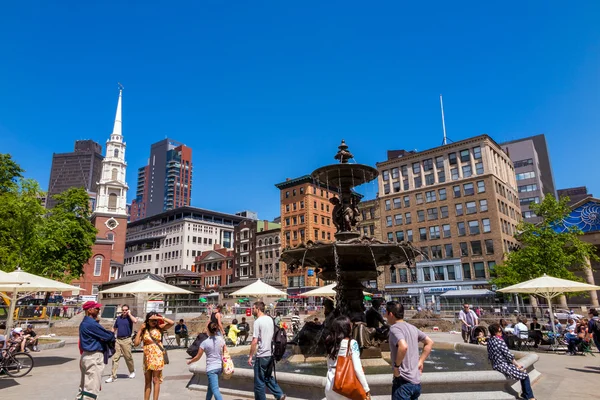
(461, 229)
(436, 253)
(466, 171)
(527, 188)
(386, 188)
(479, 168)
(479, 270)
(528, 214)
(471, 207)
(429, 179)
(454, 174)
(112, 202)
(399, 236)
(430, 196)
(406, 201)
(486, 225)
(302, 219)
(409, 235)
(395, 173)
(526, 175)
(422, 234)
(474, 227)
(464, 249)
(491, 265)
(444, 211)
(403, 275)
(418, 182)
(398, 219)
(396, 186)
(428, 164)
(407, 218)
(449, 251)
(523, 163)
(405, 184)
(459, 209)
(419, 198)
(441, 176)
(114, 174)
(466, 270)
(452, 158)
(477, 153)
(420, 215)
(301, 190)
(427, 274)
(416, 167)
(434, 232)
(489, 246)
(483, 205)
(388, 221)
(432, 214)
(385, 175)
(390, 236)
(469, 190)
(442, 194)
(98, 266)
(476, 248)
(451, 273)
(465, 156)
(446, 230)
(95, 290)
(116, 153)
(480, 187)
(388, 205)
(529, 200)
(393, 276)
(456, 190)
(287, 194)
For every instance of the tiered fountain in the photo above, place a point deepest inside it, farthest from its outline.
(350, 260)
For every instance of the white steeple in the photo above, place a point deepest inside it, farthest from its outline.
(112, 188)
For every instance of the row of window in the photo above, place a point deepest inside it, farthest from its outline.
(300, 206)
(435, 232)
(300, 233)
(528, 200)
(507, 194)
(523, 163)
(468, 208)
(468, 189)
(268, 241)
(442, 272)
(528, 188)
(268, 254)
(526, 175)
(315, 191)
(507, 210)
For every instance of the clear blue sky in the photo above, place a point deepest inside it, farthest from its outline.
(266, 90)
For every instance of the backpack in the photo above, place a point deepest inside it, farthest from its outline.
(596, 326)
(279, 342)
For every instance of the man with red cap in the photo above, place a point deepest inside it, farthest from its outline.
(92, 341)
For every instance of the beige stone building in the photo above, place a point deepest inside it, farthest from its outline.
(459, 204)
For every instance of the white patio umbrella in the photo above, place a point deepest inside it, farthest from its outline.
(258, 289)
(549, 287)
(146, 289)
(25, 283)
(324, 291)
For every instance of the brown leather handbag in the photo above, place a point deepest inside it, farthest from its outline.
(346, 382)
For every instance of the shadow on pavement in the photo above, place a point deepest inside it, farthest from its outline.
(49, 361)
(595, 370)
(6, 382)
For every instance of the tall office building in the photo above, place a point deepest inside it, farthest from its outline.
(166, 182)
(458, 204)
(80, 168)
(533, 171)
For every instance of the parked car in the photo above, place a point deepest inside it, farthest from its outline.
(562, 315)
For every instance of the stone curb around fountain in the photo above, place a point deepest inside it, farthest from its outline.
(53, 345)
(478, 385)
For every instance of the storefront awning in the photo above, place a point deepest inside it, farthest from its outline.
(468, 293)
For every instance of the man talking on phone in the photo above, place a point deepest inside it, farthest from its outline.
(123, 329)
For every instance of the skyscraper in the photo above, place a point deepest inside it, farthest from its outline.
(166, 182)
(80, 168)
(531, 160)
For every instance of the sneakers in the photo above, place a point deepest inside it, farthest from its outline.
(132, 375)
(110, 380)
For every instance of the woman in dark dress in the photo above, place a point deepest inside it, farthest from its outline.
(504, 361)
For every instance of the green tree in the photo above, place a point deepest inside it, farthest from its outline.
(544, 250)
(55, 244)
(67, 236)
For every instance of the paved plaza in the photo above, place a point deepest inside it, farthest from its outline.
(56, 376)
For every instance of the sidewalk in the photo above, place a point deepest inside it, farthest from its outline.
(55, 376)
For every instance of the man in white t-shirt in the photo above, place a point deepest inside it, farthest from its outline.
(468, 320)
(262, 337)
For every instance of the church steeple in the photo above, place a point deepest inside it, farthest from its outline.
(112, 188)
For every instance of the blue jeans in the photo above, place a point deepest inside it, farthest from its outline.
(405, 390)
(596, 341)
(213, 384)
(263, 377)
(526, 388)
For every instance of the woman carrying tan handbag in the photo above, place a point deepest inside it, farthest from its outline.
(345, 376)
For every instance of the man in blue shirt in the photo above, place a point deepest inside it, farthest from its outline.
(181, 332)
(123, 328)
(92, 340)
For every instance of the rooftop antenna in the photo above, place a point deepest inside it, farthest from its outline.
(445, 141)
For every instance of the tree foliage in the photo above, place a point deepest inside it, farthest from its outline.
(544, 250)
(55, 244)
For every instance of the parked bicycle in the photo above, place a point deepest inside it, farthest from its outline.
(15, 363)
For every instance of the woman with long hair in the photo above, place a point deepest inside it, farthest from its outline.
(214, 347)
(504, 361)
(337, 343)
(150, 335)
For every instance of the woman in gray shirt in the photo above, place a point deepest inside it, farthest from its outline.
(213, 346)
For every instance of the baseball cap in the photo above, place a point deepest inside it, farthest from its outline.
(18, 330)
(91, 304)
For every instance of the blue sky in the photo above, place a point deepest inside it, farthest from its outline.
(266, 90)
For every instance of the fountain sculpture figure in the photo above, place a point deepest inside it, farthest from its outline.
(350, 259)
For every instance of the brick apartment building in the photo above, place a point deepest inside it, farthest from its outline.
(245, 255)
(215, 267)
(459, 204)
(268, 250)
(305, 215)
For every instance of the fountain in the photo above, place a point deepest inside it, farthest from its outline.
(350, 260)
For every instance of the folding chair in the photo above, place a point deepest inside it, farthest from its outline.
(585, 348)
(169, 341)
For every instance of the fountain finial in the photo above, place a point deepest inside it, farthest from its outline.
(343, 154)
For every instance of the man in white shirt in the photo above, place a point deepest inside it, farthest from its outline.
(520, 329)
(468, 320)
(262, 337)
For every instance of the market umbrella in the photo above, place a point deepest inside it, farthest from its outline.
(24, 283)
(549, 287)
(146, 289)
(258, 289)
(324, 291)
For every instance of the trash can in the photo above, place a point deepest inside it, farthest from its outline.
(248, 312)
